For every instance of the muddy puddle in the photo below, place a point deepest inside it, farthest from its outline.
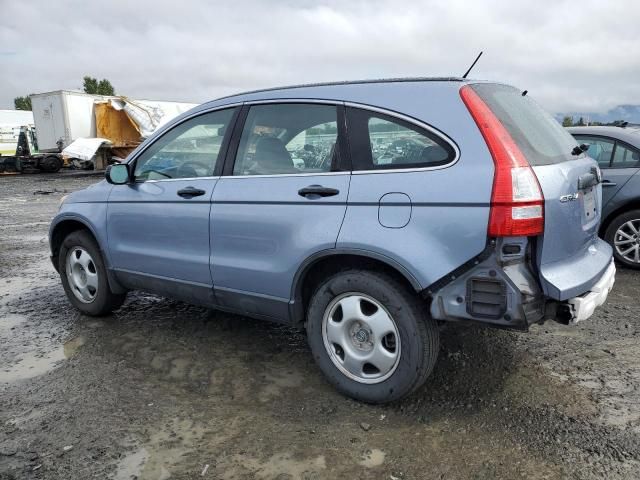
(161, 454)
(35, 354)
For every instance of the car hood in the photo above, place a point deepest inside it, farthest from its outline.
(98, 192)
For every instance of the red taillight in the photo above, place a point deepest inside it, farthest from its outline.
(517, 204)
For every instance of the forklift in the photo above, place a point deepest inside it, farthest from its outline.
(27, 158)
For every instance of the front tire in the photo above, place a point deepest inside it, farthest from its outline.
(84, 276)
(51, 164)
(370, 336)
(623, 234)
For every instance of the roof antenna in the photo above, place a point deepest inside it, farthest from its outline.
(472, 65)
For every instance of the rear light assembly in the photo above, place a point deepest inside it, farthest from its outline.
(517, 204)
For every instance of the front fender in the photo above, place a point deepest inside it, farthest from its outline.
(91, 215)
(86, 216)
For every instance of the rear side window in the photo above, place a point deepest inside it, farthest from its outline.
(380, 142)
(600, 149)
(625, 157)
(539, 136)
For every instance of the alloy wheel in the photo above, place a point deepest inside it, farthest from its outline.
(627, 241)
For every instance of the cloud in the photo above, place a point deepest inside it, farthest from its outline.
(570, 56)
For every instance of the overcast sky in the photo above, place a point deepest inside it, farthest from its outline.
(571, 55)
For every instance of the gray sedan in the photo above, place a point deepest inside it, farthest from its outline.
(617, 151)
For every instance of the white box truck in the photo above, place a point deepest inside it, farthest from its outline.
(63, 116)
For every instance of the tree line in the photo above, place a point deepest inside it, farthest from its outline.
(89, 84)
(568, 121)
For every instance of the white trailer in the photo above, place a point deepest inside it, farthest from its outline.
(61, 117)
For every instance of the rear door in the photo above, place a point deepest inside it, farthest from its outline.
(624, 164)
(569, 255)
(281, 199)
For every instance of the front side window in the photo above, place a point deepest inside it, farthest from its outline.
(600, 149)
(382, 142)
(288, 138)
(625, 157)
(189, 150)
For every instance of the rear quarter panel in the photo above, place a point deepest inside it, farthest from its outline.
(449, 205)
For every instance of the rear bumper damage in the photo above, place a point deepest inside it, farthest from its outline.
(500, 290)
(582, 307)
(503, 291)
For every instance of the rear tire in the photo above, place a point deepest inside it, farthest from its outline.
(84, 276)
(621, 231)
(371, 336)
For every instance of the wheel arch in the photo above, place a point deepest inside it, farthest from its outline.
(64, 227)
(67, 225)
(328, 262)
(633, 204)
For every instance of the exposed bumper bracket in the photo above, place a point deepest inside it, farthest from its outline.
(582, 307)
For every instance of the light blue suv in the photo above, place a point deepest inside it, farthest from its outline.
(366, 212)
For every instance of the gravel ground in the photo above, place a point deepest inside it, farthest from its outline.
(162, 389)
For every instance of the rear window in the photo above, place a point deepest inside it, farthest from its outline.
(538, 135)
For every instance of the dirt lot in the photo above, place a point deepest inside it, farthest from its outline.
(162, 389)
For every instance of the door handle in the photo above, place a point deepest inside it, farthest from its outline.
(191, 192)
(608, 183)
(318, 190)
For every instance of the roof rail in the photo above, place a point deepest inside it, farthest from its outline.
(349, 82)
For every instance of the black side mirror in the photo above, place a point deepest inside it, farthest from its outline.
(118, 174)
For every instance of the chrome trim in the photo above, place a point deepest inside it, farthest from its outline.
(405, 170)
(287, 175)
(295, 100)
(177, 179)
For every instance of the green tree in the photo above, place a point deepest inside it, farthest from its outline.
(580, 122)
(90, 85)
(105, 87)
(93, 86)
(567, 121)
(22, 103)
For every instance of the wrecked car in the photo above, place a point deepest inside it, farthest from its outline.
(494, 220)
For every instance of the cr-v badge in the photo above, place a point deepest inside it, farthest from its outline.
(569, 198)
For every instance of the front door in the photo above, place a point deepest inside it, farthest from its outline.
(282, 199)
(158, 226)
